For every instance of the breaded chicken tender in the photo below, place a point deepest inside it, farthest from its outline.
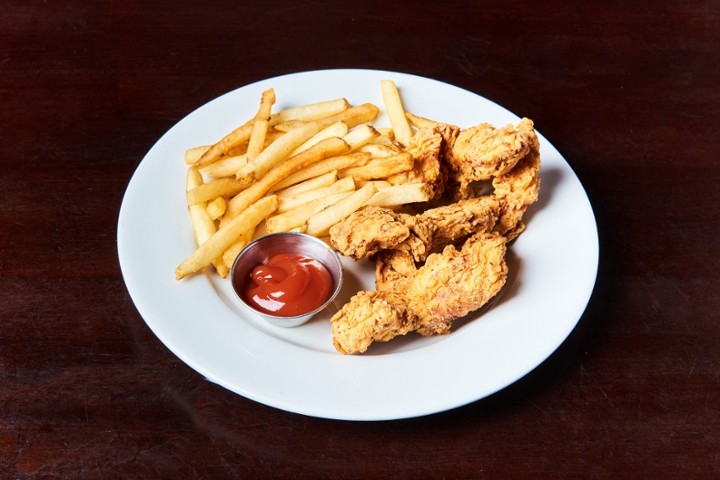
(425, 148)
(449, 285)
(370, 317)
(371, 229)
(456, 282)
(484, 152)
(439, 265)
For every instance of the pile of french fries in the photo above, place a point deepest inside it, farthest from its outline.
(301, 169)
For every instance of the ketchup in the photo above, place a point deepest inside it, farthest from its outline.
(287, 285)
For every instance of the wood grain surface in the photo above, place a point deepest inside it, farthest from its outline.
(627, 91)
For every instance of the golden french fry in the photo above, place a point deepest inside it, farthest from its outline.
(257, 138)
(397, 195)
(322, 167)
(229, 255)
(379, 184)
(221, 148)
(296, 218)
(337, 129)
(310, 112)
(283, 146)
(286, 203)
(326, 148)
(226, 167)
(193, 154)
(380, 167)
(256, 143)
(360, 135)
(221, 187)
(319, 224)
(202, 223)
(267, 100)
(421, 123)
(311, 184)
(216, 208)
(378, 150)
(396, 112)
(285, 127)
(354, 116)
(214, 246)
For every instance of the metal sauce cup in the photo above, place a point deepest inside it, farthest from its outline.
(262, 249)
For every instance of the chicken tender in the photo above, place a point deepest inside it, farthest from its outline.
(370, 317)
(515, 191)
(367, 231)
(428, 169)
(371, 229)
(456, 282)
(484, 152)
(449, 285)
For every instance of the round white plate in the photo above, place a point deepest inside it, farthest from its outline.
(553, 266)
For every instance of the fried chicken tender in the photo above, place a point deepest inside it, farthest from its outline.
(371, 229)
(483, 152)
(428, 169)
(440, 265)
(449, 285)
(456, 282)
(367, 231)
(515, 191)
(371, 317)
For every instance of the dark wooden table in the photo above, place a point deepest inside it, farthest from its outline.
(627, 91)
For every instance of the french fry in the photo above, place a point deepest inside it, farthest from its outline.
(380, 167)
(311, 184)
(193, 154)
(226, 167)
(220, 149)
(221, 187)
(296, 218)
(397, 195)
(285, 127)
(319, 224)
(396, 112)
(379, 184)
(337, 129)
(322, 167)
(354, 116)
(283, 146)
(216, 208)
(420, 123)
(286, 203)
(202, 223)
(326, 148)
(214, 246)
(360, 135)
(229, 255)
(256, 143)
(378, 150)
(310, 112)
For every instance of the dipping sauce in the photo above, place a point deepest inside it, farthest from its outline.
(287, 285)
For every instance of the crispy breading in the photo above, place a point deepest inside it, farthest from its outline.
(515, 191)
(483, 152)
(367, 231)
(370, 317)
(428, 169)
(372, 229)
(449, 285)
(456, 282)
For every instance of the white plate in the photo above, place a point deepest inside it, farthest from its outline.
(553, 265)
